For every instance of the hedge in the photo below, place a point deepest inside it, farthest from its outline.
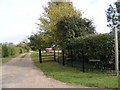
(9, 50)
(99, 46)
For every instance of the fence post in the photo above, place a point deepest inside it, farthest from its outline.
(72, 57)
(54, 56)
(40, 56)
(58, 55)
(83, 65)
(63, 57)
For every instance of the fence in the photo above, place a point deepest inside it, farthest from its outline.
(68, 57)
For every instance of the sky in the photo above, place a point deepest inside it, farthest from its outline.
(18, 17)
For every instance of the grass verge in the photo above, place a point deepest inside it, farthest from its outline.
(6, 59)
(74, 76)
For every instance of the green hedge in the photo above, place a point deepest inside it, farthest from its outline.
(99, 46)
(9, 50)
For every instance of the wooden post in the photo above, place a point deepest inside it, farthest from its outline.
(72, 57)
(63, 57)
(40, 56)
(54, 56)
(58, 55)
(83, 66)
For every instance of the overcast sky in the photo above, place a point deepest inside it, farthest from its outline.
(18, 17)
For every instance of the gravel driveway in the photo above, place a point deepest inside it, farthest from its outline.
(21, 73)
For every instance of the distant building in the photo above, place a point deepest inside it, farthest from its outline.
(49, 50)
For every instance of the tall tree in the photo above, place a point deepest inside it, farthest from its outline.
(55, 12)
(113, 15)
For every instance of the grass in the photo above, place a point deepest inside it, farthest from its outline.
(6, 59)
(74, 76)
(48, 56)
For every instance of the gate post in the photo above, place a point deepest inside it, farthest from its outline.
(63, 57)
(54, 56)
(40, 56)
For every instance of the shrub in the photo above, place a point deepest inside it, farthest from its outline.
(9, 49)
(99, 46)
(5, 50)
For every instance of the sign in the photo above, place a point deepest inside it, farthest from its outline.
(94, 60)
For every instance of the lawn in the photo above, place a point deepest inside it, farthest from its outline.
(74, 76)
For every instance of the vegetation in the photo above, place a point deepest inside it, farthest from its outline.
(70, 28)
(50, 33)
(6, 59)
(9, 50)
(74, 76)
(95, 47)
(64, 28)
(113, 15)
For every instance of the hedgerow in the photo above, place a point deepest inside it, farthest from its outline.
(99, 46)
(9, 50)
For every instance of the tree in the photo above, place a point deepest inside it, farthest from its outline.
(53, 14)
(41, 41)
(113, 15)
(5, 52)
(24, 46)
(73, 27)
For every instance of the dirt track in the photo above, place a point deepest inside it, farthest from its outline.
(21, 73)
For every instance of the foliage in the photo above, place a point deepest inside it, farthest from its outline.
(9, 49)
(71, 27)
(53, 15)
(5, 50)
(99, 46)
(24, 47)
(41, 41)
(50, 35)
(113, 15)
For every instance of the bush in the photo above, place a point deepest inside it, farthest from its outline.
(5, 50)
(99, 46)
(9, 49)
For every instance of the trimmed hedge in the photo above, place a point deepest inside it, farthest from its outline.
(99, 46)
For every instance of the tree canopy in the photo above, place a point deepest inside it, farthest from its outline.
(60, 22)
(72, 27)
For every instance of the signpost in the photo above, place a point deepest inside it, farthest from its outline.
(116, 52)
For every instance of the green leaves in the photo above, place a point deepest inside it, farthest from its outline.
(113, 15)
(9, 49)
(96, 46)
(72, 27)
(54, 13)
